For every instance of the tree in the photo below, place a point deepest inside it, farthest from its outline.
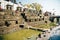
(34, 5)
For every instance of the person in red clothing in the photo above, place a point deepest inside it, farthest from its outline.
(0, 8)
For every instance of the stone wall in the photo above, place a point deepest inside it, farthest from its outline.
(15, 20)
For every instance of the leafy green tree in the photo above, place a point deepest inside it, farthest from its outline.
(34, 5)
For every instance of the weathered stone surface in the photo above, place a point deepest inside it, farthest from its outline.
(10, 20)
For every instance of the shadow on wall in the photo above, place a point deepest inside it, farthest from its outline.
(1, 38)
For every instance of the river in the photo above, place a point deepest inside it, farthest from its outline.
(55, 33)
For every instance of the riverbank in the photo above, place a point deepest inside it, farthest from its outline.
(25, 34)
(20, 35)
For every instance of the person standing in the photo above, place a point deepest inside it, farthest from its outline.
(39, 37)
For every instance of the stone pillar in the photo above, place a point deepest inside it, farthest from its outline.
(57, 20)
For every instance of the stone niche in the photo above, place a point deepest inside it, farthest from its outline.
(19, 9)
(35, 19)
(7, 23)
(9, 7)
(21, 26)
(25, 10)
(16, 22)
(40, 12)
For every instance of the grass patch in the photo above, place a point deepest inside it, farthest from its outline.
(46, 26)
(52, 24)
(20, 35)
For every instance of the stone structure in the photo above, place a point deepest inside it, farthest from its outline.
(14, 17)
(55, 19)
(10, 21)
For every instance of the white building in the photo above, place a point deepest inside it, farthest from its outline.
(3, 4)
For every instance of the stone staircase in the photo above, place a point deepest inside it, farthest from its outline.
(32, 19)
(10, 21)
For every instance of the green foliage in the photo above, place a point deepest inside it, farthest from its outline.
(34, 5)
(46, 26)
(37, 6)
(52, 24)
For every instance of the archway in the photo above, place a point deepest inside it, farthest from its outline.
(55, 19)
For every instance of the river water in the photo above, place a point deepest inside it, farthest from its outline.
(55, 37)
(55, 34)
